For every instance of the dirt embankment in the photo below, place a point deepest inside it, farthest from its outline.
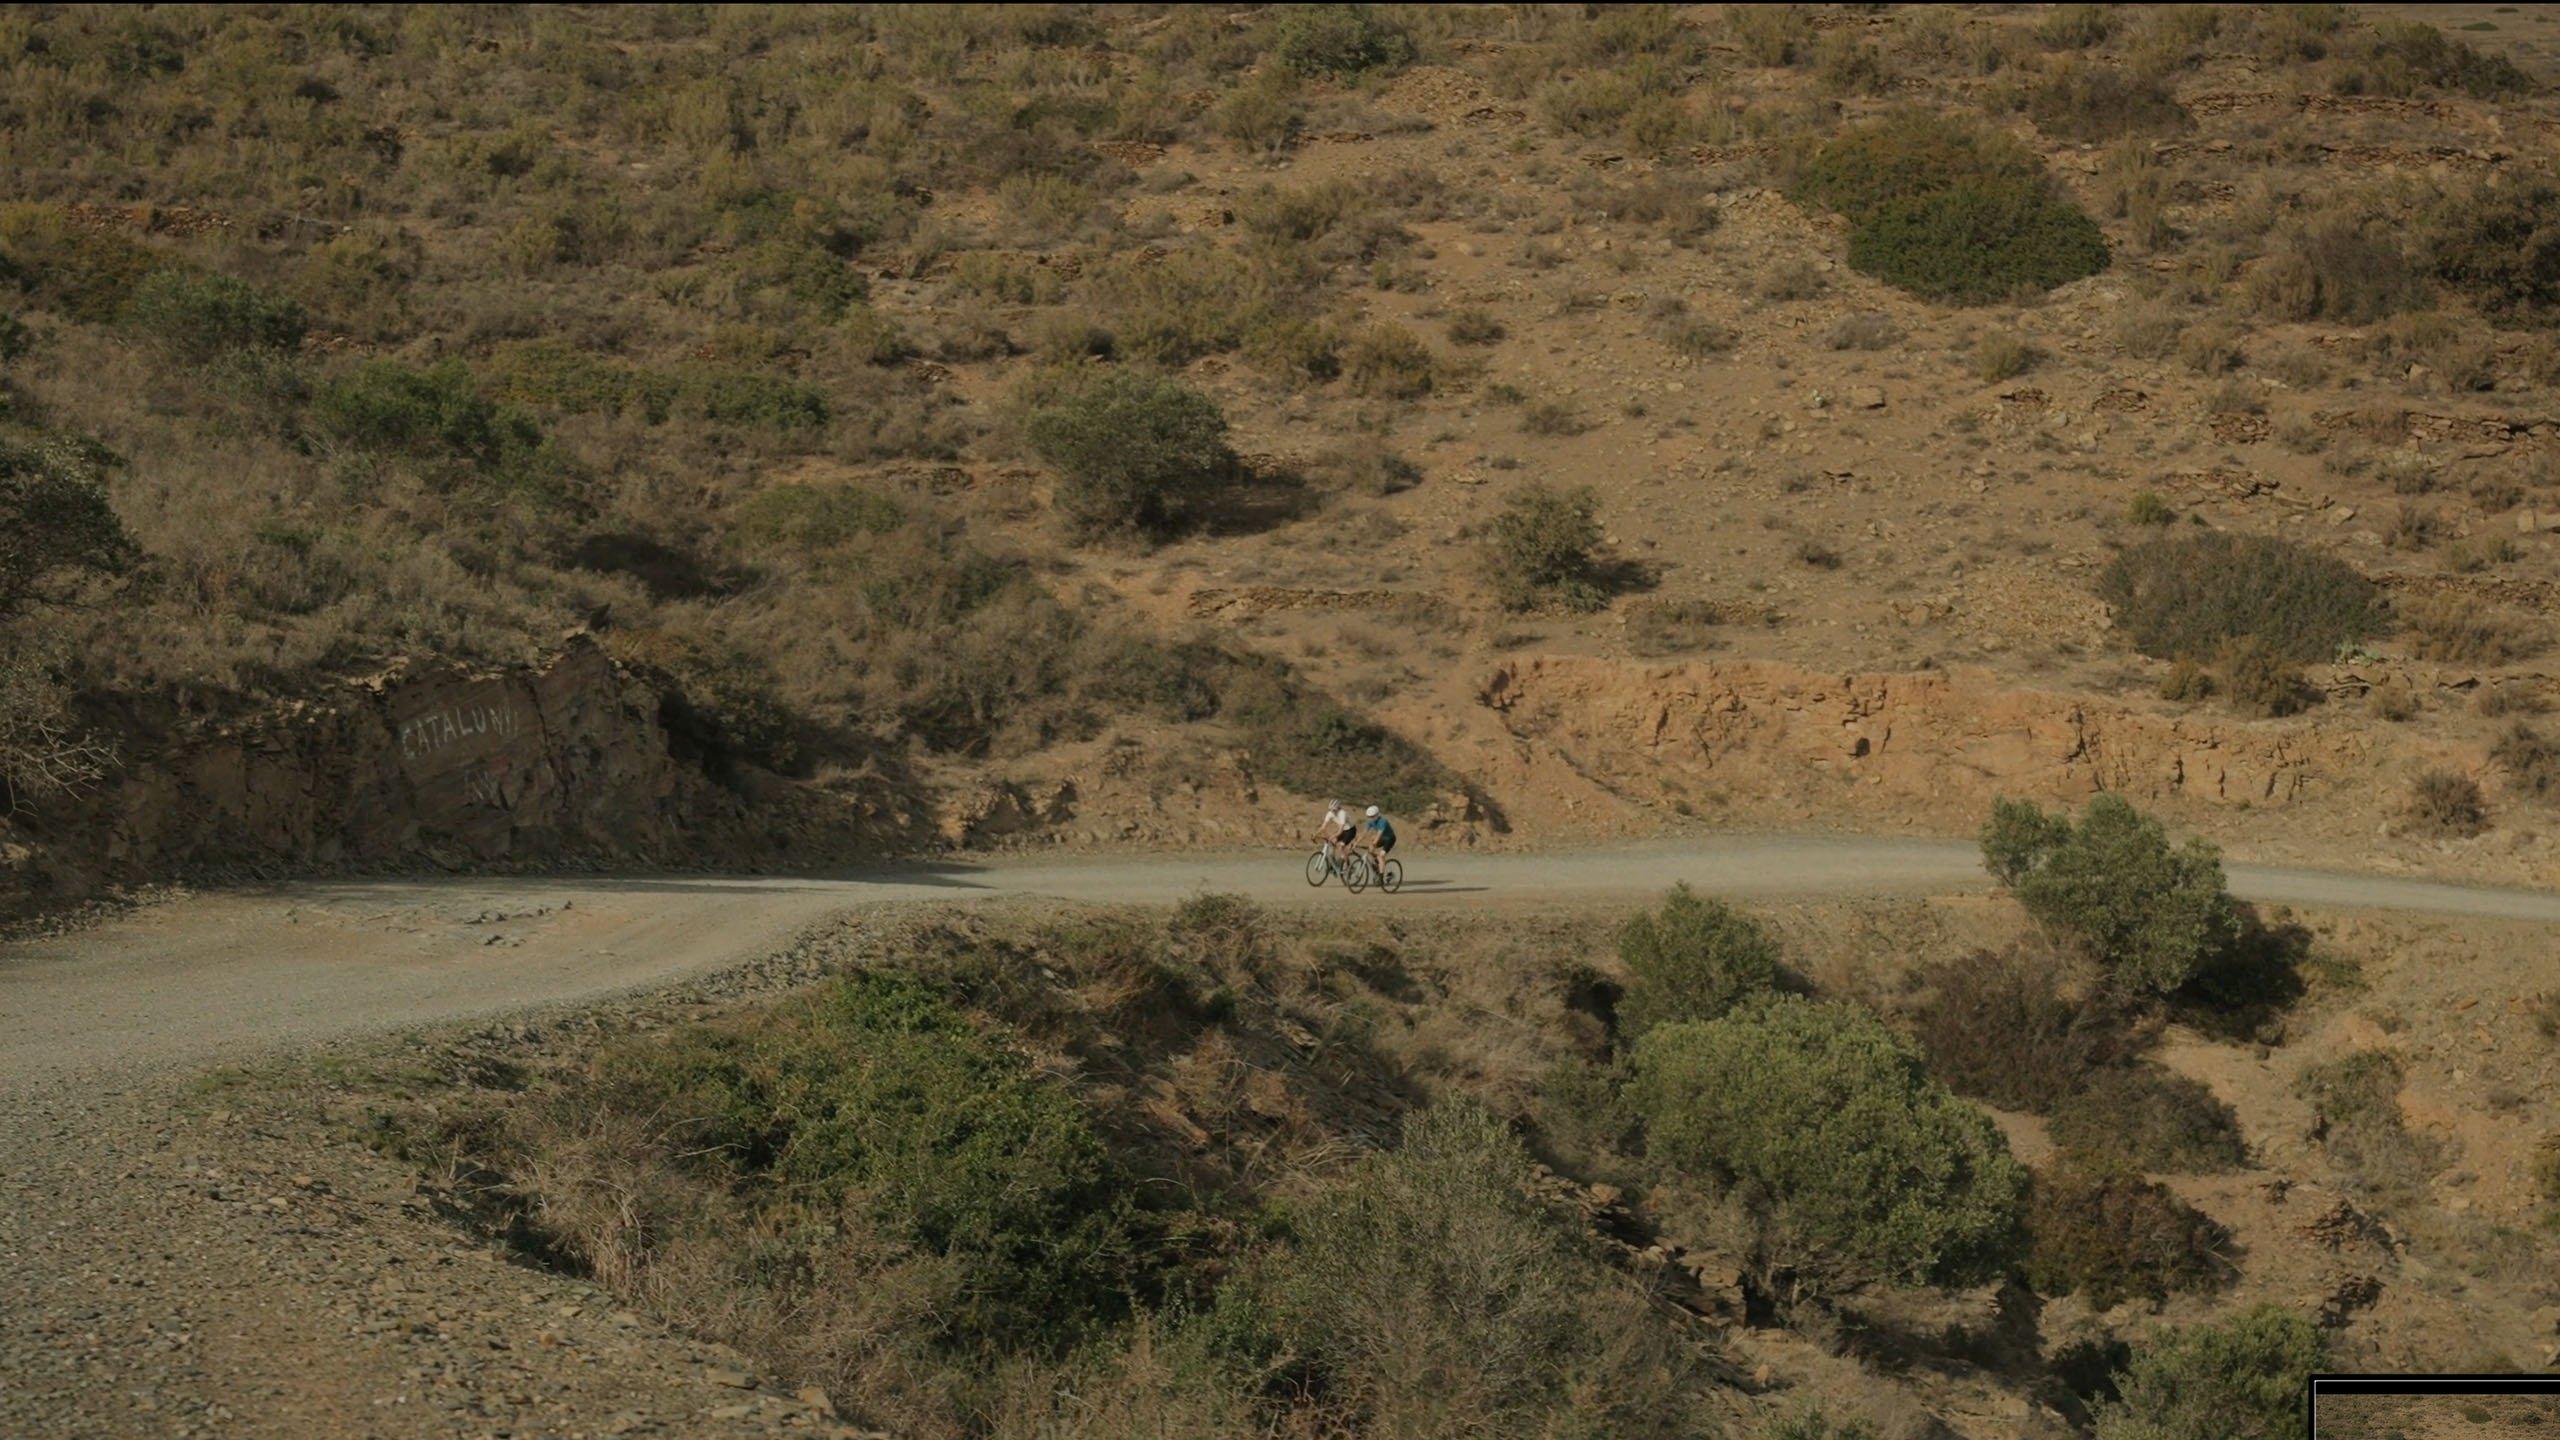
(575, 761)
(1931, 746)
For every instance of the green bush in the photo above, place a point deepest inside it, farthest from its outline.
(1979, 242)
(1693, 959)
(194, 316)
(2243, 1378)
(433, 414)
(874, 1098)
(1435, 1296)
(2109, 1235)
(1998, 1026)
(2497, 242)
(1541, 550)
(1875, 1172)
(1132, 451)
(2188, 595)
(2148, 1119)
(1950, 211)
(2153, 914)
(55, 519)
(1339, 41)
(556, 376)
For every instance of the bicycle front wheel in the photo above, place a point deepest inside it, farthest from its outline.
(1318, 867)
(1355, 874)
(1391, 876)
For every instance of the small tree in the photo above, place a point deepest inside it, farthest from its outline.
(1131, 450)
(2237, 1379)
(2152, 913)
(1876, 1172)
(1542, 549)
(1693, 959)
(55, 520)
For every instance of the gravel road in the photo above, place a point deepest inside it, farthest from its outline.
(171, 1265)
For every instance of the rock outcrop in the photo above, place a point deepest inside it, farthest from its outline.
(565, 763)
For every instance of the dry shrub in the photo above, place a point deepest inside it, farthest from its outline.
(2530, 758)
(2090, 103)
(2338, 266)
(2006, 1026)
(2462, 631)
(2359, 1117)
(2446, 805)
(1389, 362)
(2109, 1235)
(2144, 1118)
(1657, 628)
(2257, 681)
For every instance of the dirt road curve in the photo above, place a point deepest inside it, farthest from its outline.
(190, 1262)
(227, 975)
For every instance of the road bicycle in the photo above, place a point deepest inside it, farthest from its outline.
(1359, 870)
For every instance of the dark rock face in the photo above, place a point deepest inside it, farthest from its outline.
(566, 764)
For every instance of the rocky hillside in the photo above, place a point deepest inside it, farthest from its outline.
(1064, 425)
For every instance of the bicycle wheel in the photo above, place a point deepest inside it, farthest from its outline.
(1391, 875)
(1318, 867)
(1355, 875)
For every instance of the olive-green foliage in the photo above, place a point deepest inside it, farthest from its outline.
(194, 316)
(435, 415)
(1437, 1297)
(875, 1100)
(1133, 451)
(815, 517)
(2187, 595)
(1976, 242)
(1541, 551)
(2090, 103)
(1811, 1423)
(2152, 913)
(2497, 242)
(555, 376)
(1949, 211)
(1874, 1171)
(55, 519)
(2000, 1026)
(2408, 57)
(1338, 41)
(2110, 1235)
(2149, 1119)
(1693, 959)
(1906, 157)
(2345, 267)
(2243, 1378)
(1311, 745)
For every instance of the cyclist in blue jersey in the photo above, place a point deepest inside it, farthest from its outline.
(1377, 836)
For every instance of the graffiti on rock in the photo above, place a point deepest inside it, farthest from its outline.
(436, 730)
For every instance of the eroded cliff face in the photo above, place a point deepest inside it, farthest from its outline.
(562, 764)
(1930, 746)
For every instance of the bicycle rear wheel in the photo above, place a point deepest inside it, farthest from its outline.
(1355, 874)
(1391, 876)
(1318, 867)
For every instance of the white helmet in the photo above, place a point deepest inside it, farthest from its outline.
(1373, 812)
(1333, 804)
